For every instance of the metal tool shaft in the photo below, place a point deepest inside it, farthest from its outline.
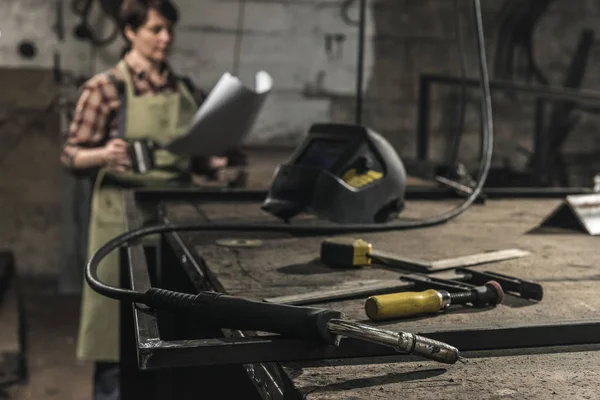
(401, 341)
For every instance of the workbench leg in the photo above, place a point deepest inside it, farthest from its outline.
(135, 384)
(218, 382)
(215, 382)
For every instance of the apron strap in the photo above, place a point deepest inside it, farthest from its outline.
(122, 117)
(186, 88)
(122, 67)
(125, 90)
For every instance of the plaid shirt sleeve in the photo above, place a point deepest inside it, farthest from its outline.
(91, 118)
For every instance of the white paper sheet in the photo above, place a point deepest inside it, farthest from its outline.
(225, 118)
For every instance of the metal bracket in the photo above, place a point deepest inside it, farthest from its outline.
(578, 212)
(523, 288)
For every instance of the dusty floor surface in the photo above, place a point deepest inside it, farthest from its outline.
(52, 328)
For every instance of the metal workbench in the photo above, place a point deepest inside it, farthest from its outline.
(520, 348)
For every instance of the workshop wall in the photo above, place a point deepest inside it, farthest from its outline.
(309, 46)
(30, 142)
(305, 45)
(416, 37)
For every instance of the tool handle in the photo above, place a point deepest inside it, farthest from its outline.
(231, 312)
(406, 304)
(345, 252)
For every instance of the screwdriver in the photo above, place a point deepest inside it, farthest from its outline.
(409, 304)
(351, 253)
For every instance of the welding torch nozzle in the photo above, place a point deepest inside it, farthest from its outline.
(401, 341)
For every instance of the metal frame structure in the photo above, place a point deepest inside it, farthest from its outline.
(243, 348)
(412, 193)
(360, 62)
(14, 368)
(155, 353)
(260, 354)
(541, 93)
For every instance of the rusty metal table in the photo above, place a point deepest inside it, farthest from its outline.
(520, 348)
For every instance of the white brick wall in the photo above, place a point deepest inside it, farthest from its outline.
(34, 20)
(286, 38)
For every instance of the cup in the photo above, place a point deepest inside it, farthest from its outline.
(141, 154)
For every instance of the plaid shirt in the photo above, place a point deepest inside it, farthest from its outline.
(96, 115)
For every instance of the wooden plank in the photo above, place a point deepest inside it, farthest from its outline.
(478, 259)
(566, 264)
(393, 260)
(286, 266)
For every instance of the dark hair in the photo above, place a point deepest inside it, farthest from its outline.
(134, 13)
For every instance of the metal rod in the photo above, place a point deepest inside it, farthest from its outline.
(548, 92)
(455, 185)
(360, 61)
(423, 119)
(239, 36)
(541, 92)
(540, 143)
(492, 339)
(412, 193)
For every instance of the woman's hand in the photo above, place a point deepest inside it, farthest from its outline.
(217, 162)
(114, 155)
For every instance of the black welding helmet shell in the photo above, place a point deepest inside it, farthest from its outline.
(341, 173)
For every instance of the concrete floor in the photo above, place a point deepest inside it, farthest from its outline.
(52, 329)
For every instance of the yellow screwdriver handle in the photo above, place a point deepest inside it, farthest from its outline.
(405, 304)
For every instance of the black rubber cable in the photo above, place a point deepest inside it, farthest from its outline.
(462, 104)
(127, 237)
(239, 36)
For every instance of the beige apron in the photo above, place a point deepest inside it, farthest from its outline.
(158, 118)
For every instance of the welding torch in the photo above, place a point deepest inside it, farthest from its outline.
(230, 312)
(308, 323)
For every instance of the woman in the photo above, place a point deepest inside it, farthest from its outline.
(140, 98)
